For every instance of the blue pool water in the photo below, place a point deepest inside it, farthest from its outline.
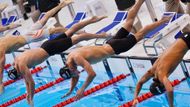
(107, 97)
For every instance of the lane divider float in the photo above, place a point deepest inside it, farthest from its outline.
(148, 95)
(37, 90)
(7, 66)
(36, 70)
(94, 89)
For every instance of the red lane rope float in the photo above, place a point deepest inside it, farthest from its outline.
(7, 66)
(94, 89)
(149, 94)
(37, 90)
(36, 70)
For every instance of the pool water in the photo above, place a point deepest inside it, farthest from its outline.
(111, 96)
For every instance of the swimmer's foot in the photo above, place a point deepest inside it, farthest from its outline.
(65, 2)
(166, 18)
(1, 88)
(31, 104)
(97, 18)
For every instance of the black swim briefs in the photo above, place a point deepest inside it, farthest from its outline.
(122, 42)
(57, 45)
(186, 38)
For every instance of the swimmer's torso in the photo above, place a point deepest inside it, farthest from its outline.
(32, 57)
(172, 57)
(93, 54)
(11, 43)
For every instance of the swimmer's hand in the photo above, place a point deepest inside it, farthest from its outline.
(79, 94)
(31, 104)
(67, 94)
(135, 101)
(29, 100)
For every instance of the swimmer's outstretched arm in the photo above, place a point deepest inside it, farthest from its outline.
(147, 76)
(2, 63)
(169, 90)
(53, 11)
(74, 81)
(30, 85)
(80, 61)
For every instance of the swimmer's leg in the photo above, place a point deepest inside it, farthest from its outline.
(53, 11)
(82, 24)
(132, 13)
(187, 28)
(2, 63)
(87, 36)
(188, 8)
(140, 34)
(20, 5)
(30, 85)
(57, 30)
(173, 6)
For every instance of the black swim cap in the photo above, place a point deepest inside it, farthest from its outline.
(13, 74)
(157, 88)
(65, 73)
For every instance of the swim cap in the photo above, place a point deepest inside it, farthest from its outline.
(13, 74)
(65, 73)
(156, 87)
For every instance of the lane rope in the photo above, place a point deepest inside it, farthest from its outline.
(34, 71)
(7, 66)
(148, 95)
(94, 89)
(37, 90)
